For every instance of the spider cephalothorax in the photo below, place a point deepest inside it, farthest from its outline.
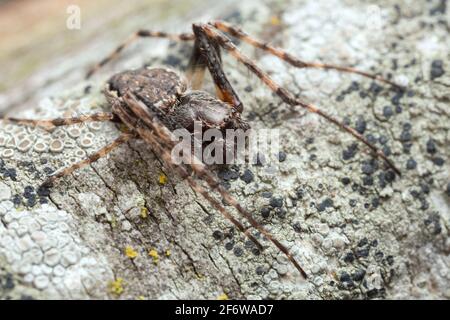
(166, 93)
(153, 101)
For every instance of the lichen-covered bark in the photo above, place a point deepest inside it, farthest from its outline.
(118, 229)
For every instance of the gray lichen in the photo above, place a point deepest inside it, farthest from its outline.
(118, 229)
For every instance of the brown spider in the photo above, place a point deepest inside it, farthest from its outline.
(153, 101)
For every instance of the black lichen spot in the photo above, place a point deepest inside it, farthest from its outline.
(281, 156)
(327, 203)
(383, 139)
(431, 146)
(248, 89)
(388, 112)
(440, 8)
(238, 252)
(438, 161)
(374, 243)
(369, 167)
(228, 174)
(312, 157)
(448, 189)
(350, 151)
(372, 293)
(266, 194)
(362, 253)
(349, 257)
(358, 275)
(437, 69)
(405, 136)
(375, 88)
(280, 212)
(31, 201)
(433, 224)
(87, 89)
(397, 97)
(386, 150)
(390, 260)
(390, 175)
(7, 282)
(17, 200)
(411, 164)
(367, 181)
(371, 138)
(172, 60)
(265, 212)
(379, 256)
(361, 125)
(218, 235)
(297, 227)
(247, 176)
(375, 202)
(363, 242)
(229, 245)
(345, 181)
(352, 203)
(260, 270)
(48, 170)
(10, 173)
(346, 280)
(276, 202)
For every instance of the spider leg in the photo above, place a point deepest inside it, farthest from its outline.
(284, 94)
(292, 60)
(145, 115)
(124, 137)
(207, 54)
(196, 68)
(100, 116)
(136, 35)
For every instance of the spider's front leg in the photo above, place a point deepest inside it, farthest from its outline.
(218, 37)
(289, 58)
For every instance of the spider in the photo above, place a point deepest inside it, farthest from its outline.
(151, 102)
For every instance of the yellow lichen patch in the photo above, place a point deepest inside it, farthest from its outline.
(140, 298)
(144, 212)
(116, 286)
(130, 252)
(154, 254)
(162, 179)
(168, 253)
(275, 21)
(123, 128)
(223, 296)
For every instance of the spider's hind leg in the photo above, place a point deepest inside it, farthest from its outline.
(124, 137)
(57, 122)
(136, 35)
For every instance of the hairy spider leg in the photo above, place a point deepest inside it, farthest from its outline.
(207, 54)
(136, 35)
(159, 145)
(145, 115)
(57, 122)
(289, 58)
(124, 137)
(285, 95)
